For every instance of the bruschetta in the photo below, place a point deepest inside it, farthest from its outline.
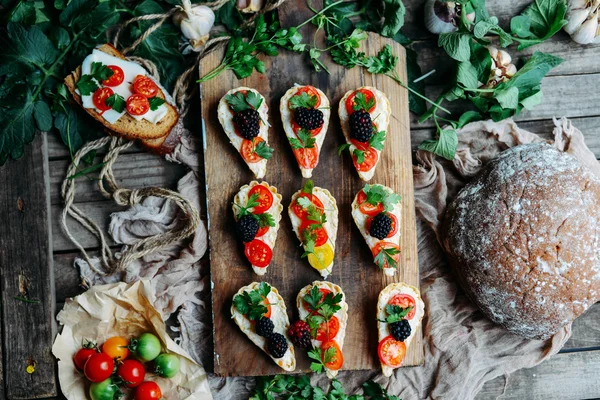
(377, 212)
(305, 116)
(260, 312)
(365, 116)
(257, 211)
(400, 311)
(314, 215)
(243, 115)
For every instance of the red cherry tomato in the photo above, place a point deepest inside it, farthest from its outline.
(386, 245)
(117, 77)
(296, 128)
(371, 158)
(311, 91)
(328, 330)
(82, 356)
(360, 145)
(368, 95)
(324, 292)
(258, 253)
(321, 233)
(301, 212)
(307, 157)
(391, 352)
(137, 104)
(394, 229)
(265, 198)
(366, 207)
(145, 86)
(100, 96)
(132, 372)
(404, 301)
(337, 360)
(148, 391)
(262, 231)
(99, 367)
(248, 153)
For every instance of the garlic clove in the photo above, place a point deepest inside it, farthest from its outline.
(503, 58)
(250, 6)
(493, 52)
(576, 18)
(587, 32)
(511, 70)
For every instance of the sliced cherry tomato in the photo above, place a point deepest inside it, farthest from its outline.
(137, 104)
(391, 352)
(320, 232)
(262, 231)
(368, 95)
(371, 158)
(324, 292)
(145, 86)
(328, 330)
(258, 253)
(321, 257)
(116, 347)
(311, 91)
(404, 301)
(337, 360)
(386, 245)
(116, 78)
(248, 153)
(100, 96)
(268, 313)
(99, 367)
(148, 391)
(300, 211)
(83, 355)
(366, 207)
(307, 157)
(394, 229)
(360, 145)
(296, 128)
(132, 372)
(265, 198)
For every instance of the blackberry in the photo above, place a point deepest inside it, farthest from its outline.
(309, 118)
(299, 334)
(247, 227)
(361, 126)
(381, 226)
(277, 345)
(264, 327)
(400, 330)
(247, 123)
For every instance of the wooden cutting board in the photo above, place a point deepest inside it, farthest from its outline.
(354, 270)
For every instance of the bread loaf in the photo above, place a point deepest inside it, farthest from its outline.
(523, 239)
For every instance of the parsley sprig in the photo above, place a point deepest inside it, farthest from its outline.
(303, 99)
(320, 358)
(361, 102)
(317, 217)
(116, 102)
(305, 140)
(262, 149)
(89, 83)
(378, 194)
(252, 303)
(377, 142)
(385, 258)
(321, 308)
(264, 219)
(239, 101)
(396, 313)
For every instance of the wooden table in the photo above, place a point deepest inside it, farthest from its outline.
(30, 202)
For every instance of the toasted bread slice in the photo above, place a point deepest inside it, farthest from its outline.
(127, 126)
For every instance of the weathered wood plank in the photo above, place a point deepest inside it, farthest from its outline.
(26, 272)
(586, 330)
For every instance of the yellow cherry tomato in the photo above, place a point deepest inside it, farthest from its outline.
(322, 257)
(116, 347)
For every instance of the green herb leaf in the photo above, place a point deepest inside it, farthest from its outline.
(342, 148)
(87, 85)
(385, 258)
(117, 102)
(361, 102)
(155, 102)
(378, 194)
(467, 75)
(252, 303)
(240, 102)
(396, 313)
(42, 115)
(394, 12)
(444, 146)
(303, 99)
(456, 44)
(305, 140)
(308, 187)
(263, 150)
(265, 219)
(100, 71)
(539, 22)
(359, 155)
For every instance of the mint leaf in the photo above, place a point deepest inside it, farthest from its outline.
(117, 102)
(444, 146)
(155, 102)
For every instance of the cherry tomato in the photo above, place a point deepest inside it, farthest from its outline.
(366, 207)
(100, 96)
(105, 390)
(307, 157)
(360, 145)
(99, 367)
(82, 356)
(394, 229)
(320, 232)
(145, 86)
(300, 211)
(404, 301)
(132, 372)
(166, 365)
(368, 95)
(391, 351)
(116, 347)
(328, 330)
(386, 245)
(311, 91)
(137, 104)
(321, 257)
(265, 198)
(324, 292)
(268, 313)
(338, 359)
(296, 128)
(371, 158)
(148, 391)
(147, 347)
(258, 253)
(248, 153)
(262, 231)
(116, 78)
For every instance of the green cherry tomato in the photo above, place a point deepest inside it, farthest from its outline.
(147, 347)
(105, 390)
(166, 365)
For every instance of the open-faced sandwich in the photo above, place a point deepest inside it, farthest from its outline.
(122, 96)
(257, 210)
(260, 312)
(399, 314)
(323, 319)
(305, 116)
(364, 115)
(377, 212)
(314, 215)
(243, 114)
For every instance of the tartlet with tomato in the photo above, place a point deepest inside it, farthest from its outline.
(377, 212)
(260, 312)
(243, 115)
(314, 215)
(305, 112)
(257, 211)
(400, 311)
(365, 115)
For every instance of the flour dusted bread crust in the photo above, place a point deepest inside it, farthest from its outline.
(522, 238)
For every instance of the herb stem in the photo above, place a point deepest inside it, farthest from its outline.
(319, 13)
(394, 75)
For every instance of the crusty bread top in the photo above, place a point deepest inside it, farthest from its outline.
(127, 126)
(522, 238)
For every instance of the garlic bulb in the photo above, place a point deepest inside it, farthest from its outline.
(443, 16)
(195, 23)
(250, 6)
(584, 21)
(502, 68)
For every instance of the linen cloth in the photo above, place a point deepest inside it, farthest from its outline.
(463, 349)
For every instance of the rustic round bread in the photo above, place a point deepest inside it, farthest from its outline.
(523, 239)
